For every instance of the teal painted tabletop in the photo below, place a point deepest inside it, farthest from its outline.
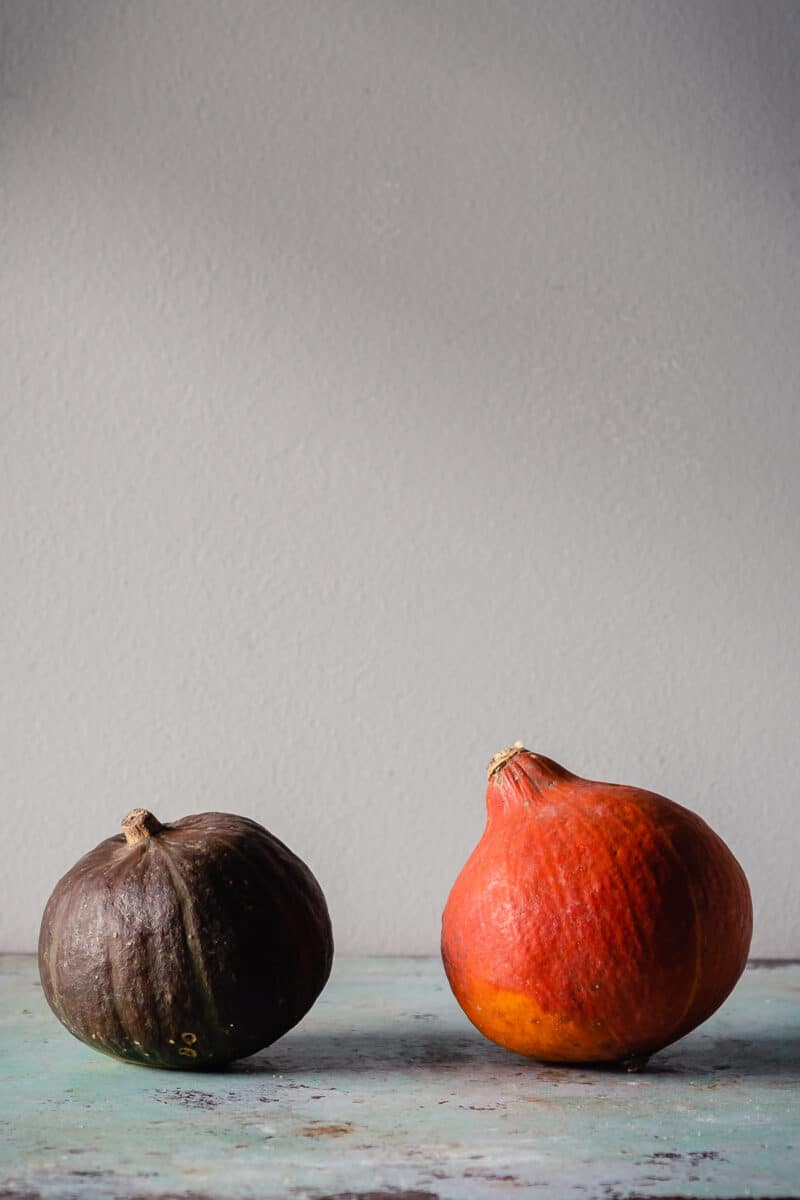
(385, 1092)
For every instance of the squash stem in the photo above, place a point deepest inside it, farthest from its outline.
(499, 760)
(140, 824)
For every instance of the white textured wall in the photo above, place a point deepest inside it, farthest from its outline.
(382, 383)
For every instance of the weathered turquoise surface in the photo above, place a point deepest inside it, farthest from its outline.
(386, 1091)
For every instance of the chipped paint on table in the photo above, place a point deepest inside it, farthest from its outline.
(385, 1092)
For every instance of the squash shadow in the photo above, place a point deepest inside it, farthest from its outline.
(772, 1053)
(372, 1050)
(716, 1061)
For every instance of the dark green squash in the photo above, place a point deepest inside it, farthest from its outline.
(185, 945)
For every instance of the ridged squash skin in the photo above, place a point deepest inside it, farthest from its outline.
(185, 945)
(593, 922)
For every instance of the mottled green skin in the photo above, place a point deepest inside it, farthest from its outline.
(198, 945)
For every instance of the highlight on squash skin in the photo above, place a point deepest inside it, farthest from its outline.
(592, 922)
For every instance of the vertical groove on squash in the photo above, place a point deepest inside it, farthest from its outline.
(61, 921)
(698, 933)
(125, 1035)
(282, 883)
(609, 930)
(52, 959)
(193, 942)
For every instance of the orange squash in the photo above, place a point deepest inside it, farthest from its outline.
(593, 922)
